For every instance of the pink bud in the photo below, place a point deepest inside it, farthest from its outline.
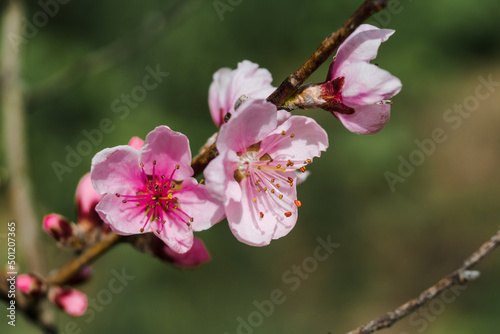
(30, 284)
(86, 200)
(72, 301)
(136, 143)
(197, 255)
(58, 227)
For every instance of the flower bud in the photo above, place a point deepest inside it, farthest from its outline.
(72, 301)
(30, 284)
(136, 143)
(59, 228)
(86, 200)
(197, 255)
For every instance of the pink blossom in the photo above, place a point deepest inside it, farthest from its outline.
(151, 190)
(228, 85)
(254, 175)
(356, 91)
(72, 301)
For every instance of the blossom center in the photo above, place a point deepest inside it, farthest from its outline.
(269, 180)
(156, 198)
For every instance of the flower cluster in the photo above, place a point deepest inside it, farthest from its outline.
(252, 181)
(147, 192)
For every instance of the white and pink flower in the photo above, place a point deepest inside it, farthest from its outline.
(228, 85)
(152, 190)
(254, 175)
(358, 92)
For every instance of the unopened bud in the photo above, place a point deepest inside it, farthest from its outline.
(72, 301)
(197, 255)
(86, 200)
(58, 227)
(30, 284)
(136, 143)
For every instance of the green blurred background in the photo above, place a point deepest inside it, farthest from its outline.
(393, 244)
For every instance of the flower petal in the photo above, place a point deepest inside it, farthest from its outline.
(176, 234)
(219, 177)
(195, 200)
(367, 119)
(367, 84)
(228, 86)
(168, 148)
(303, 139)
(114, 167)
(260, 216)
(362, 45)
(253, 120)
(123, 218)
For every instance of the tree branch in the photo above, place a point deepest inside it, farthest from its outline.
(459, 277)
(291, 84)
(87, 256)
(324, 51)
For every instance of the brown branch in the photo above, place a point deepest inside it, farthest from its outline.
(324, 51)
(203, 158)
(291, 84)
(86, 257)
(459, 277)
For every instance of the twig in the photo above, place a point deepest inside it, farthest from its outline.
(87, 256)
(324, 51)
(291, 84)
(459, 277)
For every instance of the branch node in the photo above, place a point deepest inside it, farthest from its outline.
(468, 275)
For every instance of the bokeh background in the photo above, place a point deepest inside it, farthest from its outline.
(393, 244)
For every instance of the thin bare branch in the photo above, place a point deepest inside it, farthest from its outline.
(324, 51)
(459, 277)
(86, 257)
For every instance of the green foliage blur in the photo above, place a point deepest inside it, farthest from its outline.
(394, 243)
